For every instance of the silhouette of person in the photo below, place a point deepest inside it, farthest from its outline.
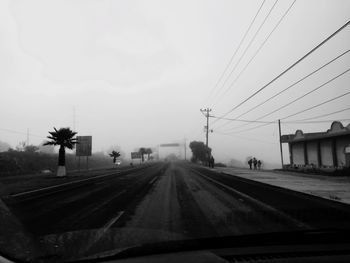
(250, 163)
(259, 164)
(212, 161)
(255, 162)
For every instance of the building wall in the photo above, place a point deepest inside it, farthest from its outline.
(298, 153)
(312, 153)
(340, 145)
(326, 152)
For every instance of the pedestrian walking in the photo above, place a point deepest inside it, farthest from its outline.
(250, 163)
(212, 161)
(259, 164)
(255, 162)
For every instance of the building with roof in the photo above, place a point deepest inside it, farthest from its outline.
(330, 149)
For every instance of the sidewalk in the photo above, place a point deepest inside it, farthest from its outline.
(334, 188)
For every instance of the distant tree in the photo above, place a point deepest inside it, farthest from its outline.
(4, 146)
(148, 151)
(31, 148)
(21, 146)
(200, 152)
(64, 137)
(142, 151)
(116, 148)
(114, 155)
(48, 149)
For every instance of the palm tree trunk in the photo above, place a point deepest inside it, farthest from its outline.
(62, 156)
(61, 171)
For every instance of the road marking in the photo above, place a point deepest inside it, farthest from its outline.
(73, 182)
(59, 185)
(253, 200)
(152, 181)
(112, 221)
(103, 230)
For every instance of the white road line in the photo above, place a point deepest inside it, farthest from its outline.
(152, 181)
(103, 230)
(112, 221)
(272, 209)
(59, 185)
(69, 183)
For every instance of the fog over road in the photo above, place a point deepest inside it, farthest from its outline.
(166, 201)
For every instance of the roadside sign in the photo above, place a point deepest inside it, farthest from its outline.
(84, 145)
(135, 155)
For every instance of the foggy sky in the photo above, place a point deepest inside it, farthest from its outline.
(136, 73)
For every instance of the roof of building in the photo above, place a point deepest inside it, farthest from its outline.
(336, 129)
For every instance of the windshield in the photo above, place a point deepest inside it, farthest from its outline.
(131, 123)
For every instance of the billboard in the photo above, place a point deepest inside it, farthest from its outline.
(84, 145)
(135, 155)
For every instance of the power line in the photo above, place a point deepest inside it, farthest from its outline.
(305, 94)
(296, 121)
(248, 46)
(239, 46)
(260, 47)
(295, 83)
(240, 120)
(245, 138)
(293, 121)
(311, 122)
(297, 113)
(323, 115)
(289, 68)
(320, 104)
(302, 96)
(23, 133)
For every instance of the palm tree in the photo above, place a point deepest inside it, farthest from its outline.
(64, 138)
(142, 151)
(115, 155)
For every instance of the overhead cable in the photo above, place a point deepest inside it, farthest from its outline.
(258, 50)
(289, 68)
(238, 47)
(249, 44)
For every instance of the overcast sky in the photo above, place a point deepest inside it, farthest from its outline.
(136, 73)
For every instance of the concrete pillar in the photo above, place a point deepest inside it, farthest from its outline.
(290, 154)
(306, 159)
(334, 153)
(319, 157)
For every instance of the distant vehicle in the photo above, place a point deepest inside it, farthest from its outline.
(118, 162)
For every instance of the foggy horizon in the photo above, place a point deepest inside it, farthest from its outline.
(136, 74)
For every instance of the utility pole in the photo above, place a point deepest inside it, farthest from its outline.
(279, 129)
(185, 147)
(73, 118)
(27, 136)
(206, 114)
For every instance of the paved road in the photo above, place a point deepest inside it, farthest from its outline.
(166, 201)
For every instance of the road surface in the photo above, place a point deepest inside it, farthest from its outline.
(161, 202)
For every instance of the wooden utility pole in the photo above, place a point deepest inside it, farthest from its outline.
(206, 114)
(279, 129)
